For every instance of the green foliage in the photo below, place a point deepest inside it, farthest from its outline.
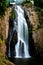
(12, 17)
(3, 6)
(40, 17)
(38, 3)
(38, 9)
(1, 36)
(25, 2)
(3, 60)
(1, 41)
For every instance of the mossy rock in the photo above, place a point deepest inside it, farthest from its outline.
(1, 41)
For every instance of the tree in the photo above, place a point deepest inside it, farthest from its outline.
(38, 3)
(3, 6)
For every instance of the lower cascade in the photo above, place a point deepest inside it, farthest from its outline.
(22, 47)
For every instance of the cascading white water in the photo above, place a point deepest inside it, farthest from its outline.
(21, 48)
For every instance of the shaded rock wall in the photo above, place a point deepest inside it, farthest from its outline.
(4, 27)
(38, 40)
(4, 24)
(37, 34)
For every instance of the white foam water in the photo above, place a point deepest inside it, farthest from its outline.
(21, 48)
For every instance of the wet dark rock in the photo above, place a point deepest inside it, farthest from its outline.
(32, 48)
(13, 43)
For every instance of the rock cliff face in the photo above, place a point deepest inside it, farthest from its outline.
(38, 40)
(37, 34)
(4, 28)
(4, 24)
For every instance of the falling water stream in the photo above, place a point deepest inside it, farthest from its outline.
(22, 46)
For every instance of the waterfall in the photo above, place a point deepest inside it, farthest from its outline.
(21, 48)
